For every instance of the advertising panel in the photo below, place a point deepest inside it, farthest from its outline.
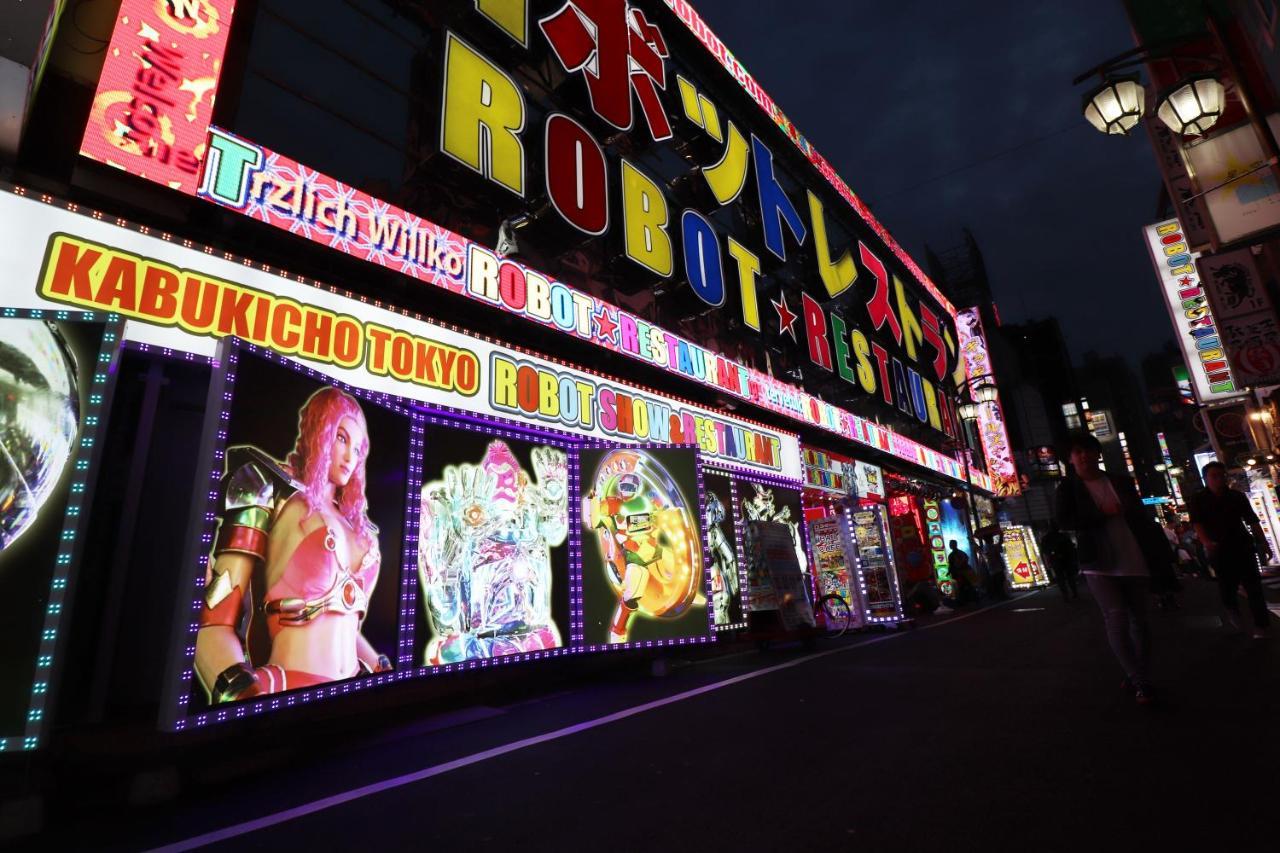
(53, 375)
(184, 299)
(1228, 428)
(720, 520)
(937, 545)
(768, 499)
(643, 578)
(1189, 308)
(1247, 320)
(869, 480)
(833, 560)
(827, 472)
(151, 112)
(493, 544)
(1022, 557)
(1240, 188)
(991, 427)
(881, 599)
(622, 227)
(300, 587)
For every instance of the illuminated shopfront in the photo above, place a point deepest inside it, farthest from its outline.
(577, 300)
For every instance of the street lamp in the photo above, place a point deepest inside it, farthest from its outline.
(1116, 106)
(1194, 106)
(1191, 107)
(985, 392)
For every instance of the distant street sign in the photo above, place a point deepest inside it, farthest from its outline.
(1163, 499)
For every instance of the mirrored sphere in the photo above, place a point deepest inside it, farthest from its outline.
(39, 418)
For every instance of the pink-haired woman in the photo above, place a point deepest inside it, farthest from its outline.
(297, 551)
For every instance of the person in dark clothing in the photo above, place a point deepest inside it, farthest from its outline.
(1233, 538)
(1060, 551)
(995, 570)
(959, 569)
(1108, 519)
(1160, 562)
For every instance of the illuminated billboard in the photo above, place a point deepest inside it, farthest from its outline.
(643, 565)
(991, 427)
(154, 101)
(184, 299)
(1192, 316)
(780, 302)
(300, 588)
(54, 370)
(764, 499)
(1022, 558)
(721, 516)
(493, 544)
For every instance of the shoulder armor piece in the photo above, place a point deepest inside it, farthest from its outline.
(255, 480)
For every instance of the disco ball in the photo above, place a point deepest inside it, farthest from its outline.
(39, 417)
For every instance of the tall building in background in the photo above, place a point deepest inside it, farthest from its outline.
(1032, 364)
(1174, 414)
(1117, 416)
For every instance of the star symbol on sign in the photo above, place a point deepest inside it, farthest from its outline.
(786, 317)
(1186, 281)
(606, 326)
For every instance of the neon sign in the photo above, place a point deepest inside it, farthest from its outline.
(937, 546)
(1189, 309)
(597, 39)
(274, 189)
(995, 438)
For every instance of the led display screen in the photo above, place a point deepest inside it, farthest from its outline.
(642, 557)
(300, 585)
(493, 545)
(720, 520)
(53, 374)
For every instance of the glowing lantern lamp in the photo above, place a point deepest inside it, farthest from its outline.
(1194, 106)
(1116, 105)
(985, 393)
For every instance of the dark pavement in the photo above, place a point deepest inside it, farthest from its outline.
(1004, 730)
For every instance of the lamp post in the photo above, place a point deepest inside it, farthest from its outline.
(973, 396)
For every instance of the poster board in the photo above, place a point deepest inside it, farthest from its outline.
(773, 556)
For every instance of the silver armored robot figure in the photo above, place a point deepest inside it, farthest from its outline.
(39, 418)
(724, 562)
(484, 555)
(761, 507)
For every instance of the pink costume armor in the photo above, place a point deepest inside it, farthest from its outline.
(315, 581)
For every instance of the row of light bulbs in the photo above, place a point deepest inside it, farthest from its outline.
(1190, 109)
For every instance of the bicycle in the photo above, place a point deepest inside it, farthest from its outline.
(832, 615)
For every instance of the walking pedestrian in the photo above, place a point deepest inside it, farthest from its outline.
(1233, 538)
(1060, 551)
(1106, 514)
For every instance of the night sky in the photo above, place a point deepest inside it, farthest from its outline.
(910, 100)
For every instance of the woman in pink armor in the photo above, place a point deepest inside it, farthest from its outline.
(296, 541)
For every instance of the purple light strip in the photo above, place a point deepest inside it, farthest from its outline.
(413, 521)
(168, 352)
(714, 470)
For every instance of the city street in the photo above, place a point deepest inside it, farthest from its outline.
(639, 425)
(999, 729)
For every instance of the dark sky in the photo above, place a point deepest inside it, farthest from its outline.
(896, 94)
